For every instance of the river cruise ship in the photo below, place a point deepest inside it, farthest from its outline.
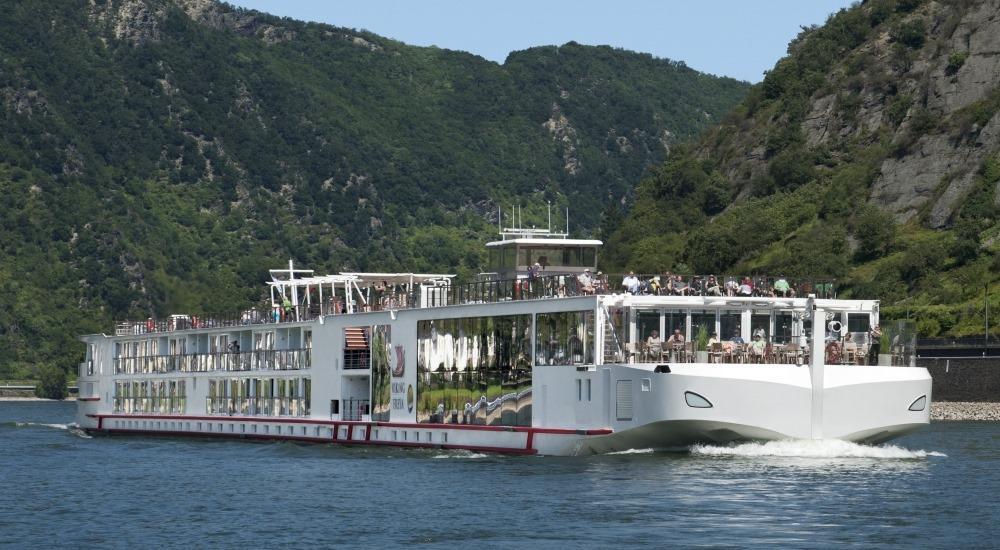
(544, 355)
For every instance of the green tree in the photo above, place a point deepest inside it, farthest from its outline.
(51, 383)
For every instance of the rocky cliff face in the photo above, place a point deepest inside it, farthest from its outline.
(922, 85)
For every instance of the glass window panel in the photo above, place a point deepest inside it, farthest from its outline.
(648, 325)
(468, 369)
(675, 320)
(702, 320)
(784, 327)
(565, 338)
(730, 324)
(858, 322)
(381, 373)
(760, 324)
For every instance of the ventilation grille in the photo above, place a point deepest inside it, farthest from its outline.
(623, 400)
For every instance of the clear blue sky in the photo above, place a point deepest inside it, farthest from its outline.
(734, 38)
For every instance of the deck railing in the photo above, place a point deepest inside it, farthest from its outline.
(494, 291)
(286, 359)
(355, 409)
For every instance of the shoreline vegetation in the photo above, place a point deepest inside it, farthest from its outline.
(941, 411)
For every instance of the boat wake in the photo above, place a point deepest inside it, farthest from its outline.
(73, 429)
(807, 448)
(44, 425)
(633, 452)
(460, 454)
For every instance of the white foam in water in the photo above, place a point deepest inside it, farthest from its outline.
(632, 452)
(461, 455)
(808, 448)
(55, 426)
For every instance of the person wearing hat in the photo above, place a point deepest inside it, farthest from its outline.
(586, 282)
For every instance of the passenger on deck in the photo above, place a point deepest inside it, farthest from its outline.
(677, 337)
(654, 285)
(714, 339)
(533, 271)
(631, 283)
(746, 287)
(757, 347)
(875, 345)
(783, 289)
(697, 287)
(712, 287)
(850, 348)
(586, 282)
(668, 284)
(680, 287)
(737, 339)
(732, 287)
(654, 340)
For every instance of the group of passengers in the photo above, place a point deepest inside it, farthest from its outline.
(756, 350)
(677, 285)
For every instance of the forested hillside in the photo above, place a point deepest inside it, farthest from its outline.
(871, 153)
(161, 155)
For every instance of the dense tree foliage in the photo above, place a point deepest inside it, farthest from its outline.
(156, 159)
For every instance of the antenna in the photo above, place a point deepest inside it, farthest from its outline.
(499, 220)
(520, 219)
(567, 220)
(549, 203)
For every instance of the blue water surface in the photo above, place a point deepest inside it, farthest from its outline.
(61, 488)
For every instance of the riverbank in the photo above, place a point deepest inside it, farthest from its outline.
(5, 399)
(965, 410)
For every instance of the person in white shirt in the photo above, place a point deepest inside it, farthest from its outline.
(631, 283)
(586, 282)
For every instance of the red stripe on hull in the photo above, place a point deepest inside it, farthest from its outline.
(306, 439)
(426, 425)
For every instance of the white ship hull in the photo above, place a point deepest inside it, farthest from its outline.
(749, 403)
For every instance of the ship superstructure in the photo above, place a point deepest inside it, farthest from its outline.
(561, 360)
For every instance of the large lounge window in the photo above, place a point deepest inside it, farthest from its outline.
(730, 324)
(474, 370)
(564, 338)
(674, 320)
(784, 327)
